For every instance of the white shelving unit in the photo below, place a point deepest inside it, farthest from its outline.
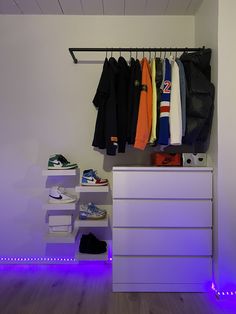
(98, 223)
(67, 237)
(61, 237)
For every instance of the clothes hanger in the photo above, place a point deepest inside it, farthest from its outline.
(130, 56)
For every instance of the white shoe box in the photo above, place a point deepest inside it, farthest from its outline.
(194, 160)
(59, 220)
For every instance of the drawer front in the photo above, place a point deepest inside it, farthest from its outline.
(161, 270)
(163, 184)
(171, 242)
(162, 213)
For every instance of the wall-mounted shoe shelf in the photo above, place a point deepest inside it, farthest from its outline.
(68, 172)
(70, 237)
(92, 189)
(68, 206)
(61, 237)
(92, 223)
(92, 257)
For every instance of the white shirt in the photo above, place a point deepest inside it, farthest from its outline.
(175, 106)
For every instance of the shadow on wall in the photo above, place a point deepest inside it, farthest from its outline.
(132, 157)
(135, 157)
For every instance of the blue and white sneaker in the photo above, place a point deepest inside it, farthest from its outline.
(90, 178)
(91, 211)
(58, 161)
(57, 195)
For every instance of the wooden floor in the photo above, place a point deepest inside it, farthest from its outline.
(85, 288)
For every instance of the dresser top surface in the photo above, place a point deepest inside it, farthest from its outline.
(167, 169)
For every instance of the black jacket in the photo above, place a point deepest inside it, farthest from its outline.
(105, 135)
(122, 103)
(199, 100)
(134, 89)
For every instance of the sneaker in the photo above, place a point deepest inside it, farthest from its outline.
(57, 195)
(91, 245)
(91, 211)
(90, 178)
(58, 161)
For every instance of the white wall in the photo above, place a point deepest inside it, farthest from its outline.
(215, 25)
(206, 33)
(46, 106)
(226, 146)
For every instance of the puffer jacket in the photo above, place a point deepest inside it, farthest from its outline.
(199, 100)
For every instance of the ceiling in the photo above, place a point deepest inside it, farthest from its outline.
(100, 7)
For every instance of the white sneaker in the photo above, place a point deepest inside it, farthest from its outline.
(58, 195)
(91, 211)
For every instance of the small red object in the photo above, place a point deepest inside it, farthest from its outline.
(166, 159)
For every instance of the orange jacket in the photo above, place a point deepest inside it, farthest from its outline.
(144, 123)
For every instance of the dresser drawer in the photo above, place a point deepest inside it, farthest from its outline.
(156, 184)
(144, 241)
(162, 270)
(162, 213)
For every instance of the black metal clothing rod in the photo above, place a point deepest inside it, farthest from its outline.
(186, 49)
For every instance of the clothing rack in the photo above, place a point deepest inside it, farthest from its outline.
(73, 50)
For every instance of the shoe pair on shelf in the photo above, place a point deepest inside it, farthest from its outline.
(57, 195)
(89, 244)
(91, 211)
(90, 178)
(59, 162)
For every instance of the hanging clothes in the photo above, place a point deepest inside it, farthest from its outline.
(200, 99)
(144, 123)
(133, 99)
(164, 129)
(182, 82)
(169, 103)
(159, 79)
(175, 105)
(99, 101)
(105, 135)
(153, 136)
(122, 84)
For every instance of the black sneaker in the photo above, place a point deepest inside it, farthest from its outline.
(91, 245)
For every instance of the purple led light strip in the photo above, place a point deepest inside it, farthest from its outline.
(36, 259)
(222, 293)
(39, 259)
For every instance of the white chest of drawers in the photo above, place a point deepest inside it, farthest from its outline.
(162, 229)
